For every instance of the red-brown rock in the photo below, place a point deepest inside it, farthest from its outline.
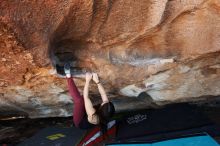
(169, 49)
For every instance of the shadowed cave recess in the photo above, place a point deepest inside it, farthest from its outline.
(65, 51)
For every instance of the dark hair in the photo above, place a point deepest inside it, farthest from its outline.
(105, 112)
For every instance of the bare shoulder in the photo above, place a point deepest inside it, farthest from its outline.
(93, 119)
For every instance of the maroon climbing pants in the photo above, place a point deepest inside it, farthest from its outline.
(79, 108)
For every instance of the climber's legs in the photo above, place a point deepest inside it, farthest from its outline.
(79, 108)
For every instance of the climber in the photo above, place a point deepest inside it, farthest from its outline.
(85, 115)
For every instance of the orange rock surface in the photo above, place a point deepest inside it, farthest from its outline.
(169, 49)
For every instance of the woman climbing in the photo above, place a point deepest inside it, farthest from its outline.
(85, 115)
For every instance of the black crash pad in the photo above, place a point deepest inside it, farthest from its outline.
(55, 136)
(170, 118)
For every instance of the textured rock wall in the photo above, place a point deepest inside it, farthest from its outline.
(169, 49)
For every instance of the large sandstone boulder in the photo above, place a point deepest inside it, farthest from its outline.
(169, 49)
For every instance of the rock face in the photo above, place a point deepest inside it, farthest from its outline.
(169, 49)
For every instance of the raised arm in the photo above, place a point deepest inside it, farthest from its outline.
(88, 104)
(101, 88)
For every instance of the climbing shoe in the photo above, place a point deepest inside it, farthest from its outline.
(67, 70)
